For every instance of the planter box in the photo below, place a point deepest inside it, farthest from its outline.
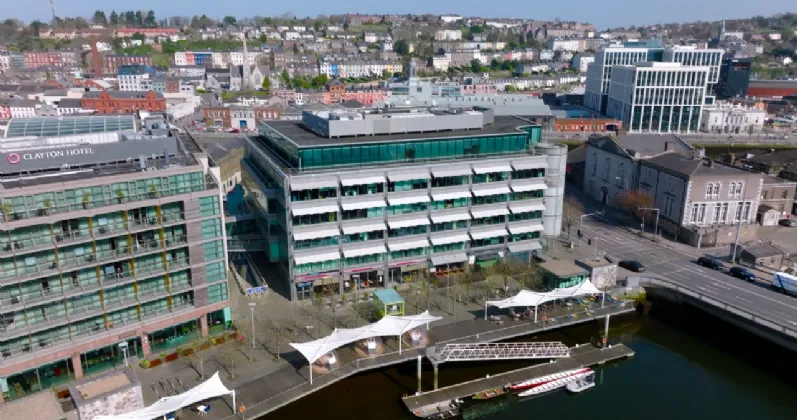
(220, 340)
(62, 395)
(188, 352)
(153, 363)
(172, 357)
(204, 346)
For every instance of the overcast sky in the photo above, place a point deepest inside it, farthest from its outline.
(603, 13)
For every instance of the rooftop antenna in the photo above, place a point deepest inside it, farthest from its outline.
(52, 7)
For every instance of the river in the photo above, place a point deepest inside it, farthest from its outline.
(687, 365)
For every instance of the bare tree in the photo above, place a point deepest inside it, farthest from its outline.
(198, 357)
(318, 302)
(465, 280)
(229, 353)
(277, 330)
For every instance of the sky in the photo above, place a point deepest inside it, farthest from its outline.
(603, 13)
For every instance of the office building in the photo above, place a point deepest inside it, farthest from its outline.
(698, 57)
(106, 238)
(657, 97)
(734, 77)
(351, 200)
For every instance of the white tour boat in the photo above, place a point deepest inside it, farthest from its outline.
(522, 386)
(556, 383)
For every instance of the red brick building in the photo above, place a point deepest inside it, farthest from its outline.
(123, 102)
(222, 116)
(771, 88)
(39, 59)
(365, 96)
(336, 90)
(573, 125)
(112, 62)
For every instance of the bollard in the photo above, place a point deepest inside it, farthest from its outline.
(435, 375)
(419, 373)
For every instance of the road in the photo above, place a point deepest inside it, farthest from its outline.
(679, 266)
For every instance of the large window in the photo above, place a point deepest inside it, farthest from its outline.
(489, 199)
(365, 259)
(528, 174)
(530, 215)
(456, 246)
(364, 236)
(363, 213)
(407, 208)
(314, 194)
(449, 204)
(477, 243)
(524, 237)
(367, 189)
(490, 177)
(318, 267)
(527, 195)
(407, 231)
(450, 181)
(314, 219)
(441, 227)
(495, 220)
(408, 253)
(416, 184)
(315, 243)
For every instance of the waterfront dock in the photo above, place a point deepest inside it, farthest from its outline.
(427, 403)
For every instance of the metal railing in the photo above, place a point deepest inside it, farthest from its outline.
(497, 351)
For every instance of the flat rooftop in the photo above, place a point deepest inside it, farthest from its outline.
(303, 137)
(563, 268)
(103, 385)
(39, 406)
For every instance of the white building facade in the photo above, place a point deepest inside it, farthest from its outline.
(657, 97)
(732, 119)
(600, 72)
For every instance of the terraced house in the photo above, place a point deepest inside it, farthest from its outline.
(102, 244)
(363, 200)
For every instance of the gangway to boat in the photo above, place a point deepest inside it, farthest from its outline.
(496, 351)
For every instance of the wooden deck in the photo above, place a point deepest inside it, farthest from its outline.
(427, 403)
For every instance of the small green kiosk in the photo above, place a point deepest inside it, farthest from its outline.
(389, 302)
(560, 274)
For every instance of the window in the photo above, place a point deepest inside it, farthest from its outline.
(709, 190)
(716, 193)
(739, 188)
(701, 215)
(784, 194)
(731, 190)
(746, 215)
(764, 195)
(738, 215)
(716, 214)
(607, 170)
(695, 209)
(668, 205)
(723, 213)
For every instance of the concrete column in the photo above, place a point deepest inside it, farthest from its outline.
(145, 345)
(606, 330)
(77, 367)
(420, 358)
(203, 324)
(435, 375)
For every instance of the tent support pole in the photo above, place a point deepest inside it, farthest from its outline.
(535, 314)
(311, 372)
(603, 301)
(485, 310)
(234, 407)
(419, 373)
(399, 339)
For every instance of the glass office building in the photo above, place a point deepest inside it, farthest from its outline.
(114, 251)
(389, 200)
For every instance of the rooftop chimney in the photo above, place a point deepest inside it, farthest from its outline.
(96, 60)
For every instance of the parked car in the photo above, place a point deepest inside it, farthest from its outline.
(711, 263)
(788, 222)
(742, 273)
(632, 265)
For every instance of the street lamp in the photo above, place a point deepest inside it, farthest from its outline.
(252, 310)
(656, 226)
(123, 347)
(581, 222)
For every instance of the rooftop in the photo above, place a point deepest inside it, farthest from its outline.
(67, 125)
(299, 134)
(686, 166)
(103, 385)
(39, 406)
(563, 268)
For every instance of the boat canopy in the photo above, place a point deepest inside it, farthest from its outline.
(385, 327)
(529, 298)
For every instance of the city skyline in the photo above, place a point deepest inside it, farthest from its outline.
(601, 14)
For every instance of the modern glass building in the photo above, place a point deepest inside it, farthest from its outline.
(68, 125)
(98, 248)
(369, 200)
(658, 97)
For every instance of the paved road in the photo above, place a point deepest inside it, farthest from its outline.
(679, 266)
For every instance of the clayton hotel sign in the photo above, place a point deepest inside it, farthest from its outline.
(15, 158)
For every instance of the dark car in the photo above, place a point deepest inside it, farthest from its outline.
(742, 273)
(632, 265)
(788, 222)
(712, 263)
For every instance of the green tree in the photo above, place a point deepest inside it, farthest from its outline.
(114, 18)
(36, 26)
(229, 21)
(475, 66)
(296, 48)
(139, 18)
(345, 26)
(99, 18)
(160, 60)
(386, 74)
(130, 17)
(401, 47)
(510, 88)
(266, 85)
(286, 78)
(150, 20)
(317, 25)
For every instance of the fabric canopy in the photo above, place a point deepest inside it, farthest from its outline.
(211, 388)
(529, 298)
(385, 327)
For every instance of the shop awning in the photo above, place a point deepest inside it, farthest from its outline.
(367, 225)
(309, 257)
(479, 212)
(451, 193)
(401, 244)
(415, 220)
(408, 198)
(419, 173)
(450, 216)
(482, 190)
(300, 184)
(521, 207)
(536, 163)
(496, 167)
(361, 202)
(363, 249)
(525, 227)
(487, 232)
(314, 209)
(445, 171)
(449, 238)
(523, 185)
(445, 259)
(362, 179)
(525, 246)
(301, 233)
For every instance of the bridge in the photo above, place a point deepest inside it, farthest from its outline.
(461, 352)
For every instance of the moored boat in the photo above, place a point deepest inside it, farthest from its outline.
(489, 393)
(556, 383)
(581, 385)
(521, 386)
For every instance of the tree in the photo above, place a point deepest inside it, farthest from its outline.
(387, 74)
(198, 357)
(160, 60)
(345, 26)
(266, 84)
(99, 18)
(229, 21)
(286, 78)
(510, 88)
(296, 48)
(466, 280)
(632, 200)
(139, 18)
(36, 26)
(114, 18)
(401, 47)
(317, 25)
(475, 66)
(229, 352)
(150, 20)
(570, 216)
(318, 302)
(130, 17)
(276, 329)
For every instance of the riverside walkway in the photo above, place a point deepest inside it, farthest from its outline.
(279, 388)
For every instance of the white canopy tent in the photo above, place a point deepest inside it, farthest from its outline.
(385, 327)
(211, 388)
(535, 299)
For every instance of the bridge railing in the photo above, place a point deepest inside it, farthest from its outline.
(743, 313)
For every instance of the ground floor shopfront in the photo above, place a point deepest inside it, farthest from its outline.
(112, 355)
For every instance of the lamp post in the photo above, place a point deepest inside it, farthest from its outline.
(581, 222)
(123, 347)
(252, 310)
(656, 226)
